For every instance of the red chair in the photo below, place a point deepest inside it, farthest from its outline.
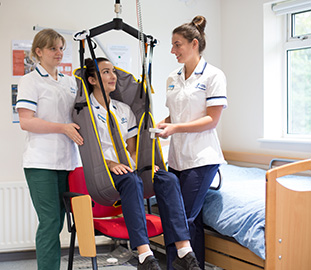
(101, 219)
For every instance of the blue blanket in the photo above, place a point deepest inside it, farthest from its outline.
(238, 208)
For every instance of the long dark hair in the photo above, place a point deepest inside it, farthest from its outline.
(91, 70)
(193, 30)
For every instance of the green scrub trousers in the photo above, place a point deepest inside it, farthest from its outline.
(46, 188)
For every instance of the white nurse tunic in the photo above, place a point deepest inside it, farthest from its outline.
(51, 100)
(187, 100)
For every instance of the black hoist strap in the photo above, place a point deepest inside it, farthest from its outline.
(79, 106)
(89, 41)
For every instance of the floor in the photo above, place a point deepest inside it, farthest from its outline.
(106, 259)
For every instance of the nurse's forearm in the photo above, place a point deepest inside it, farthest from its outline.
(37, 125)
(207, 122)
(199, 125)
(165, 120)
(30, 123)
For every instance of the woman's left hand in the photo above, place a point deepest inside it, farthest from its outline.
(71, 130)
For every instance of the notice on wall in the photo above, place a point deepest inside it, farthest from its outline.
(23, 64)
(14, 97)
(121, 56)
(66, 65)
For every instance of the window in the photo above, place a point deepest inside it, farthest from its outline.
(298, 59)
(287, 72)
(301, 24)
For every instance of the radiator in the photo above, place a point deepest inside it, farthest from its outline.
(18, 218)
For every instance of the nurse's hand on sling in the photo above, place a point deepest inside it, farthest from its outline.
(118, 168)
(71, 130)
(31, 123)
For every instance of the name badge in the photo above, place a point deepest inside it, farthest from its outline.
(101, 118)
(123, 120)
(171, 87)
(201, 86)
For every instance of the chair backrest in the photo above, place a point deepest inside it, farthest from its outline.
(77, 184)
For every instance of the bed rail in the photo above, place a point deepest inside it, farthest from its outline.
(288, 222)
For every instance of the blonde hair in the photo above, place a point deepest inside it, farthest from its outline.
(46, 38)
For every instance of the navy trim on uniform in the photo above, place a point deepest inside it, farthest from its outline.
(27, 101)
(196, 73)
(61, 74)
(217, 97)
(132, 128)
(46, 75)
(200, 73)
(96, 107)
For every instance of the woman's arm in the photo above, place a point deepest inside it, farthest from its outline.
(207, 122)
(131, 147)
(30, 123)
(165, 120)
(119, 168)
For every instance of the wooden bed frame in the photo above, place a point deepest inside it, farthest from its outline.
(288, 224)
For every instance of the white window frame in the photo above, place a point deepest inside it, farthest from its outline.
(276, 44)
(292, 43)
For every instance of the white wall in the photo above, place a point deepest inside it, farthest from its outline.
(17, 18)
(243, 63)
(235, 44)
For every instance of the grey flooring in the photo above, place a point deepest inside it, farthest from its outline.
(126, 260)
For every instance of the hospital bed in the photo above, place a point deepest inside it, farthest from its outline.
(253, 223)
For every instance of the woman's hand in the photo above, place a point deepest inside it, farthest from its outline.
(168, 130)
(156, 168)
(118, 168)
(30, 123)
(71, 131)
(207, 122)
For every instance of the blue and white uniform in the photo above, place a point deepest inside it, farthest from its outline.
(187, 100)
(51, 100)
(195, 157)
(48, 157)
(130, 185)
(125, 118)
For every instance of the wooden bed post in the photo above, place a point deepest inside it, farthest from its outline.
(288, 221)
(270, 221)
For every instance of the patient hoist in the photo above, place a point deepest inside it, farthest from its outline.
(137, 94)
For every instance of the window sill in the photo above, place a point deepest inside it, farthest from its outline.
(286, 140)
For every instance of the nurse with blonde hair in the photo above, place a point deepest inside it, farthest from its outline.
(44, 103)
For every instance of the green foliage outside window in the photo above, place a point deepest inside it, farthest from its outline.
(299, 79)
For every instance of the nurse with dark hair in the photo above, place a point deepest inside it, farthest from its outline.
(130, 185)
(195, 97)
